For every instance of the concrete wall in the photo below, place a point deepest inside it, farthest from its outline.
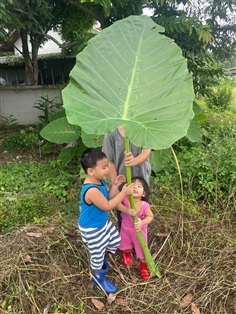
(19, 101)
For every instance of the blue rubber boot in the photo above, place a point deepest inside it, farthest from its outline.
(102, 282)
(105, 265)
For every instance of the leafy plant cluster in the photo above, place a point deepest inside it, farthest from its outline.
(8, 122)
(31, 191)
(47, 107)
(25, 137)
(221, 96)
(19, 137)
(208, 169)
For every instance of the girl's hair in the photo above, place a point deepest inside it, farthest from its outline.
(146, 188)
(90, 157)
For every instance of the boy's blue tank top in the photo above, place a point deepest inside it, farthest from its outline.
(90, 215)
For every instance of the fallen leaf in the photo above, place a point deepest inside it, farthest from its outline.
(48, 230)
(35, 234)
(133, 278)
(28, 259)
(46, 309)
(120, 301)
(111, 298)
(186, 300)
(195, 309)
(98, 304)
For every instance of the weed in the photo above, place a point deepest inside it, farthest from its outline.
(8, 122)
(47, 107)
(27, 137)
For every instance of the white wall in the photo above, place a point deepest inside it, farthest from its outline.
(19, 101)
(48, 47)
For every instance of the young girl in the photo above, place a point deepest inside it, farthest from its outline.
(128, 230)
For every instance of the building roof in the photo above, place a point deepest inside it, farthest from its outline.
(19, 60)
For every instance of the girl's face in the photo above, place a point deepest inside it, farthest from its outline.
(138, 189)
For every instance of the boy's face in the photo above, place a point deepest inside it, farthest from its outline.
(101, 170)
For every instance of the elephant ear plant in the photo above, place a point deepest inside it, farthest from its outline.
(132, 75)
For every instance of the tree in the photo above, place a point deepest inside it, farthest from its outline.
(221, 17)
(196, 32)
(33, 19)
(73, 19)
(195, 38)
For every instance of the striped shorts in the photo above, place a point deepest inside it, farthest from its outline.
(100, 241)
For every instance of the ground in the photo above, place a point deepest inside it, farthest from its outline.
(44, 267)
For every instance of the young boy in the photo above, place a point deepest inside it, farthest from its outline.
(98, 232)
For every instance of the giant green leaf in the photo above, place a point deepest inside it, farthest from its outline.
(131, 74)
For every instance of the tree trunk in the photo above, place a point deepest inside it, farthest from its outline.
(35, 47)
(31, 65)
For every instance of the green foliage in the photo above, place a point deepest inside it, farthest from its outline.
(208, 169)
(197, 34)
(221, 96)
(206, 72)
(47, 178)
(48, 108)
(31, 191)
(8, 122)
(28, 137)
(19, 211)
(60, 131)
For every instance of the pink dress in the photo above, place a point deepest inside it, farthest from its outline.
(129, 239)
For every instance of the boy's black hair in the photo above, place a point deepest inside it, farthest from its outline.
(146, 188)
(90, 157)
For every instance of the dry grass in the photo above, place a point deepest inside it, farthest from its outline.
(45, 269)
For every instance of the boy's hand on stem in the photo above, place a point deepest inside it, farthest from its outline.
(128, 189)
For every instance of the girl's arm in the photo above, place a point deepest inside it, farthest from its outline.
(146, 221)
(94, 196)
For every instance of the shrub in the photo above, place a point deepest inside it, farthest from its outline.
(221, 96)
(208, 169)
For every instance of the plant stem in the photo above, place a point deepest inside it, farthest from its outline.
(148, 257)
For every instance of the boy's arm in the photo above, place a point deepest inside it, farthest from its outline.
(112, 172)
(114, 187)
(95, 196)
(130, 160)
